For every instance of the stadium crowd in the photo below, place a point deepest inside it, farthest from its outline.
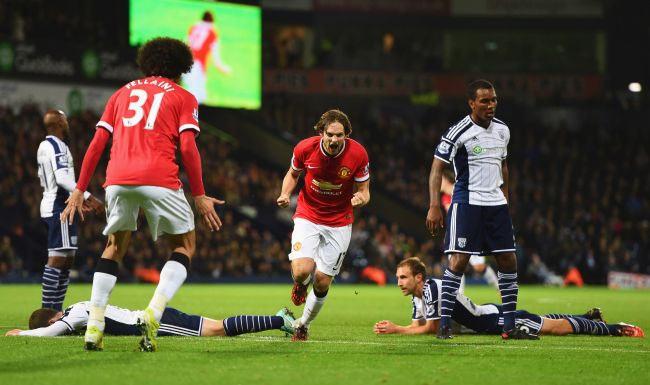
(578, 195)
(254, 241)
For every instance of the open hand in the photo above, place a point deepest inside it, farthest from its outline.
(205, 206)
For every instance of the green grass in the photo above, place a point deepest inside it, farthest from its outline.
(342, 348)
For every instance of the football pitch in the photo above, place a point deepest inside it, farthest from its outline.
(342, 348)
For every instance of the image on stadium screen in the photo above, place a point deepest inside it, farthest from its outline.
(225, 40)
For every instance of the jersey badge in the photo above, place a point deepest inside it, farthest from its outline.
(297, 246)
(443, 148)
(462, 242)
(344, 173)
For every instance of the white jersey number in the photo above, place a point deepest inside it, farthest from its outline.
(136, 107)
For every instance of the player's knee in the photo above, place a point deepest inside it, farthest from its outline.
(322, 284)
(301, 269)
(59, 262)
(183, 243)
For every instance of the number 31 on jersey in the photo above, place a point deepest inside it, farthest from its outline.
(138, 112)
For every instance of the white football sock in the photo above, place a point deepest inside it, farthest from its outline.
(313, 305)
(461, 288)
(102, 287)
(172, 276)
(491, 277)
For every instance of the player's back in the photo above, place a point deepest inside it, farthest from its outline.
(146, 117)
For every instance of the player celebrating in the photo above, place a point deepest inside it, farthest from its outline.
(487, 318)
(56, 173)
(479, 221)
(203, 40)
(147, 118)
(124, 322)
(334, 166)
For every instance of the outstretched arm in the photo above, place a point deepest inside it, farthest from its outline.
(416, 327)
(94, 152)
(58, 328)
(192, 163)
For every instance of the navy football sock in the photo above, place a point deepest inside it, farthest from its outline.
(562, 316)
(242, 324)
(509, 290)
(450, 285)
(54, 288)
(582, 325)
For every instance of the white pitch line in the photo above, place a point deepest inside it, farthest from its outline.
(500, 346)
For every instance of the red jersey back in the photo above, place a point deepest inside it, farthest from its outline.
(329, 180)
(146, 117)
(201, 37)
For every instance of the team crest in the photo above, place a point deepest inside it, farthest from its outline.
(344, 172)
(462, 242)
(297, 246)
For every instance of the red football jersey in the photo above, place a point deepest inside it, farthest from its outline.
(201, 37)
(146, 117)
(445, 199)
(329, 180)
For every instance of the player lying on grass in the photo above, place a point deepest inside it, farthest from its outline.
(487, 318)
(123, 322)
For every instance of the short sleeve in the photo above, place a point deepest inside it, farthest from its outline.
(417, 310)
(430, 302)
(298, 158)
(107, 121)
(189, 114)
(57, 155)
(445, 150)
(505, 148)
(75, 317)
(363, 171)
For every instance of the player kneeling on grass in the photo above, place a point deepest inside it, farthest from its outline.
(488, 318)
(123, 322)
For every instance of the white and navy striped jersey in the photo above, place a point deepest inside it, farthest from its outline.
(465, 312)
(477, 154)
(56, 172)
(75, 319)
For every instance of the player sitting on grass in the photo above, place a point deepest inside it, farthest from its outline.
(123, 322)
(487, 318)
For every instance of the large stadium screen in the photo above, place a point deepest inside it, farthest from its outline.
(225, 40)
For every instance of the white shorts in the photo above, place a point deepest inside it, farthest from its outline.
(167, 210)
(474, 259)
(477, 260)
(325, 245)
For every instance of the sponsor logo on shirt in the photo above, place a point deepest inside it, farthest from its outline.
(195, 114)
(325, 185)
(477, 150)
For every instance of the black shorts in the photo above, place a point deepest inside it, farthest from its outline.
(173, 323)
(479, 230)
(60, 235)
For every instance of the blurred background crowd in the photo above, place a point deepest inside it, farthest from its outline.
(579, 195)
